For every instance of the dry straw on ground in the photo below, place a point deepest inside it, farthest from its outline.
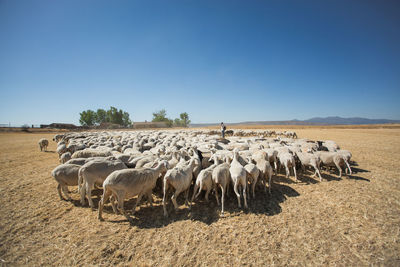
(352, 221)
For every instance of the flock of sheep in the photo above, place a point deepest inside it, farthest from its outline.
(136, 163)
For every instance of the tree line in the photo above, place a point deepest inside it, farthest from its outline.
(120, 117)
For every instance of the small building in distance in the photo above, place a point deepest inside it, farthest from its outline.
(59, 126)
(144, 125)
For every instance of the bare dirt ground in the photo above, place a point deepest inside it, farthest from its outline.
(353, 221)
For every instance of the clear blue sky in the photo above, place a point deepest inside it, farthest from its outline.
(218, 61)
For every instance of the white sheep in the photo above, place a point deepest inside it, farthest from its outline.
(239, 177)
(180, 178)
(66, 175)
(95, 172)
(265, 168)
(312, 160)
(61, 149)
(334, 159)
(204, 182)
(58, 137)
(287, 160)
(252, 175)
(272, 158)
(127, 183)
(221, 178)
(65, 157)
(43, 143)
(88, 153)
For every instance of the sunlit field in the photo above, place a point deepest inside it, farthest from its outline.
(348, 221)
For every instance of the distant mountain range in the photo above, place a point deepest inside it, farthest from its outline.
(312, 121)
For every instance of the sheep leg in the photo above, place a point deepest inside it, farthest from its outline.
(149, 196)
(165, 194)
(89, 195)
(174, 197)
(276, 168)
(245, 195)
(348, 166)
(112, 201)
(236, 189)
(317, 172)
(65, 190)
(106, 195)
(137, 202)
(207, 192)
(187, 202)
(59, 191)
(287, 171)
(295, 174)
(120, 200)
(264, 182)
(339, 169)
(222, 198)
(194, 196)
(216, 194)
(83, 194)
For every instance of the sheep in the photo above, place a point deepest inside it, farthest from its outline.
(265, 169)
(43, 143)
(204, 182)
(331, 145)
(287, 160)
(334, 159)
(272, 158)
(140, 163)
(128, 183)
(174, 159)
(180, 179)
(220, 177)
(65, 157)
(198, 159)
(347, 154)
(95, 172)
(87, 153)
(312, 160)
(252, 174)
(82, 161)
(238, 177)
(58, 137)
(66, 175)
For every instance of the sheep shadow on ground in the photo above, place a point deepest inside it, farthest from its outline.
(209, 212)
(50, 151)
(205, 212)
(269, 204)
(358, 178)
(357, 170)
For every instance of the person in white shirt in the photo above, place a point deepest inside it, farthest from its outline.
(223, 128)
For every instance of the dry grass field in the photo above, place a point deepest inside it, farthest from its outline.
(353, 221)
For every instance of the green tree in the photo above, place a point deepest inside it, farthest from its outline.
(184, 119)
(115, 116)
(112, 115)
(101, 116)
(88, 117)
(126, 121)
(161, 116)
